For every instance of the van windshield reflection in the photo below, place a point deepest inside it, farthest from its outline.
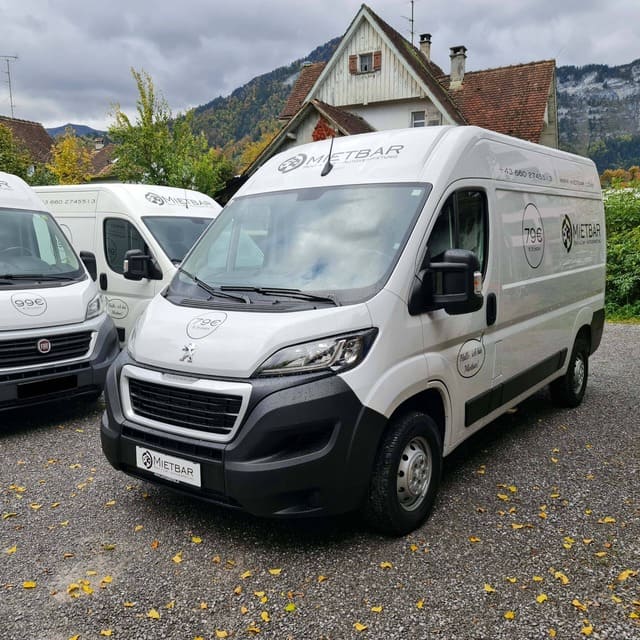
(337, 242)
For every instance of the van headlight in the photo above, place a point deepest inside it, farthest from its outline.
(337, 353)
(95, 307)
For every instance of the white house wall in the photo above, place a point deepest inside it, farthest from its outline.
(395, 115)
(392, 82)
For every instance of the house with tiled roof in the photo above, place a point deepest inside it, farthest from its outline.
(32, 136)
(376, 80)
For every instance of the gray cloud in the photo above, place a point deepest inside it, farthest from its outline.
(75, 57)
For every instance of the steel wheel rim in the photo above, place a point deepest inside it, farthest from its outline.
(579, 373)
(414, 474)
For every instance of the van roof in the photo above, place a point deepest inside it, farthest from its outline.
(428, 154)
(15, 193)
(141, 198)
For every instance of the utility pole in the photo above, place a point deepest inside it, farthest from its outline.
(8, 59)
(411, 21)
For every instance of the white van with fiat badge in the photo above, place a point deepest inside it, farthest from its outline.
(56, 341)
(359, 308)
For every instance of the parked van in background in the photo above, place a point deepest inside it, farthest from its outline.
(106, 221)
(361, 307)
(56, 341)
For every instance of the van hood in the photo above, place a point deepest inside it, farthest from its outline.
(22, 309)
(231, 343)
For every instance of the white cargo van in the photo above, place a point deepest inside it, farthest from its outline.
(346, 324)
(106, 221)
(56, 341)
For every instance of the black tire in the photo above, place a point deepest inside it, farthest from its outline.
(406, 475)
(568, 390)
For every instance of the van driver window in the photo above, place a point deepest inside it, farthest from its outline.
(120, 236)
(461, 224)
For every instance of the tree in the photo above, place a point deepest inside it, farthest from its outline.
(155, 149)
(13, 157)
(71, 160)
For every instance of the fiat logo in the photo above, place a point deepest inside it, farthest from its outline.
(44, 346)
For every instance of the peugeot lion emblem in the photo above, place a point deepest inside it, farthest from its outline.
(187, 352)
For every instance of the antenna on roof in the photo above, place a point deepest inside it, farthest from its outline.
(328, 166)
(411, 21)
(8, 72)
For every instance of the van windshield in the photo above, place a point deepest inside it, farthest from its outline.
(33, 247)
(336, 241)
(176, 234)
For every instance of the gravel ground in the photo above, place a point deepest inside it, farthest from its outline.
(535, 534)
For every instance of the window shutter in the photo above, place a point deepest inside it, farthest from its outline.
(353, 64)
(377, 60)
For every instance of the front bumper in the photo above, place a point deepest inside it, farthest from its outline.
(56, 381)
(306, 446)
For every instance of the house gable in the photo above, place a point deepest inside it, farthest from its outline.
(398, 71)
(32, 136)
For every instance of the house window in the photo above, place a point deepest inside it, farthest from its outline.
(417, 118)
(366, 62)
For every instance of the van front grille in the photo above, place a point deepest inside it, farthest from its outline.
(190, 409)
(25, 352)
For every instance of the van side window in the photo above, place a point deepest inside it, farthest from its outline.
(120, 236)
(461, 224)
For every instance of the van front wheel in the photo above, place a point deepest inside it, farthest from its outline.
(568, 390)
(406, 475)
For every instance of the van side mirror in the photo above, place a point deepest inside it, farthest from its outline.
(455, 285)
(138, 265)
(90, 263)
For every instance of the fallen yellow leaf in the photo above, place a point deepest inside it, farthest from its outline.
(265, 616)
(503, 496)
(626, 574)
(110, 503)
(244, 610)
(474, 539)
(541, 598)
(322, 578)
(413, 547)
(138, 527)
(488, 588)
(509, 615)
(153, 614)
(376, 609)
(29, 584)
(106, 632)
(105, 581)
(246, 574)
(11, 550)
(178, 557)
(76, 637)
(253, 629)
(511, 580)
(275, 572)
(221, 634)
(587, 630)
(196, 539)
(170, 605)
(204, 605)
(237, 591)
(386, 565)
(579, 605)
(606, 520)
(552, 633)
(290, 607)
(359, 626)
(129, 604)
(561, 576)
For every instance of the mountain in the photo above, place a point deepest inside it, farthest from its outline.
(81, 131)
(252, 109)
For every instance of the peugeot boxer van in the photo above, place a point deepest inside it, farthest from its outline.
(105, 221)
(56, 341)
(360, 308)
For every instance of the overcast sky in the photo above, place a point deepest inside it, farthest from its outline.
(75, 56)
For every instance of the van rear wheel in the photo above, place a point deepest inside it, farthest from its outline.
(568, 390)
(406, 475)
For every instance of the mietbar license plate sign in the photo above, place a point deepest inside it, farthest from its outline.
(168, 467)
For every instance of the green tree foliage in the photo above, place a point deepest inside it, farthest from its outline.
(13, 157)
(622, 208)
(615, 153)
(157, 150)
(70, 159)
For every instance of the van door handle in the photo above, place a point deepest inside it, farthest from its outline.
(103, 281)
(492, 309)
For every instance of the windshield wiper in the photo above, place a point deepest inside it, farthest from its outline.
(212, 291)
(298, 294)
(34, 276)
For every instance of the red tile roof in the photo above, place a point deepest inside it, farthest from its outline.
(347, 123)
(102, 160)
(307, 78)
(32, 135)
(509, 100)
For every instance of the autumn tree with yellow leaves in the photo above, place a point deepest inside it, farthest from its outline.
(70, 159)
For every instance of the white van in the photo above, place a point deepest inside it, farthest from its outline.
(56, 341)
(106, 221)
(346, 324)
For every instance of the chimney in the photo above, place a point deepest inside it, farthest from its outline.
(425, 45)
(458, 55)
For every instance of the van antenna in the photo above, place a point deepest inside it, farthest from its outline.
(328, 166)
